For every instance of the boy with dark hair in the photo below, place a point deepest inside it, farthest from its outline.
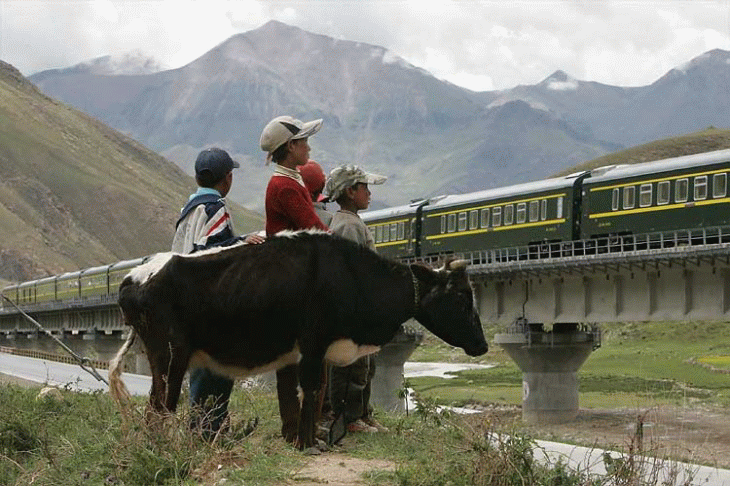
(205, 223)
(288, 207)
(350, 385)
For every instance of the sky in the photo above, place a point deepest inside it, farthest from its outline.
(480, 45)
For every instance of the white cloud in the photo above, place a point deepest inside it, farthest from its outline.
(481, 44)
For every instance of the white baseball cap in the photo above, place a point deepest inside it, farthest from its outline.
(284, 128)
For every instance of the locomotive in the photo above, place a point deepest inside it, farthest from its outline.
(588, 208)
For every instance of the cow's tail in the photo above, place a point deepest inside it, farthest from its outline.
(117, 389)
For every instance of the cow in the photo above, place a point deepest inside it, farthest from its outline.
(299, 298)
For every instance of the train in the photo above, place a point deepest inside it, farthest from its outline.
(588, 210)
(83, 288)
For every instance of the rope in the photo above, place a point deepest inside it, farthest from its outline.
(416, 291)
(83, 362)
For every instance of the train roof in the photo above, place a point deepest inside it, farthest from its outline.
(603, 174)
(392, 211)
(507, 191)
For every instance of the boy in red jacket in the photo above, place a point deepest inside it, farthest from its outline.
(288, 203)
(288, 207)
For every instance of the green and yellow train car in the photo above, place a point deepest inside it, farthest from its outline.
(530, 215)
(395, 230)
(682, 193)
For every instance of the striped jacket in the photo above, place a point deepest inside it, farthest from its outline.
(204, 223)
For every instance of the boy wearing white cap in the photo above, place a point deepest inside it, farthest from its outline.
(350, 385)
(288, 203)
(288, 207)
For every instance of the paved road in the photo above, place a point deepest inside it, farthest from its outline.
(74, 378)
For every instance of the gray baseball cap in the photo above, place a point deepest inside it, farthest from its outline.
(346, 176)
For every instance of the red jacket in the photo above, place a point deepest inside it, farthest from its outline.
(289, 207)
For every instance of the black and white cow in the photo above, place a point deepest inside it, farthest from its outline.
(298, 298)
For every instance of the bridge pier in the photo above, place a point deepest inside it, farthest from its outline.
(388, 380)
(549, 361)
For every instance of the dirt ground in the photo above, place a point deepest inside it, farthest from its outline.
(697, 435)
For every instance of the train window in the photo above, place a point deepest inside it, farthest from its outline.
(559, 213)
(452, 223)
(462, 221)
(509, 214)
(379, 234)
(394, 232)
(386, 233)
(521, 213)
(614, 199)
(473, 219)
(543, 210)
(402, 230)
(629, 196)
(700, 186)
(443, 223)
(645, 195)
(372, 232)
(681, 190)
(497, 217)
(485, 218)
(662, 192)
(719, 185)
(534, 211)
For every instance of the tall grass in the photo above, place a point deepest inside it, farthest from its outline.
(81, 440)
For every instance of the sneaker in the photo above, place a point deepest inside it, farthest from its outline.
(374, 423)
(360, 426)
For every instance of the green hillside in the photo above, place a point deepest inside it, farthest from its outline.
(75, 193)
(706, 140)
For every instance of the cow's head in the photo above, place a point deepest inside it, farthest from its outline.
(446, 307)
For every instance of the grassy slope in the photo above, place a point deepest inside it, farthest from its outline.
(706, 140)
(75, 193)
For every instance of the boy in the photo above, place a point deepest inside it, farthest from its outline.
(288, 207)
(314, 180)
(205, 223)
(351, 385)
(288, 203)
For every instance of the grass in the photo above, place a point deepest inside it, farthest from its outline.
(639, 364)
(81, 440)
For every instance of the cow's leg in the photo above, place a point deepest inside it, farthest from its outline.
(309, 378)
(168, 370)
(287, 381)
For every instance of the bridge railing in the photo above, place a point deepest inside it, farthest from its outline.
(655, 245)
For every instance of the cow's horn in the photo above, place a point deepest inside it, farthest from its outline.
(457, 265)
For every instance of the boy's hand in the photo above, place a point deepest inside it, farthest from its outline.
(254, 239)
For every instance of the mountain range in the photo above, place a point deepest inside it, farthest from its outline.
(75, 193)
(428, 136)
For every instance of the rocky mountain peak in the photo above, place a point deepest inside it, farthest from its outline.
(559, 81)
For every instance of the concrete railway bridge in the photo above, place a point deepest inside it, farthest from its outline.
(550, 302)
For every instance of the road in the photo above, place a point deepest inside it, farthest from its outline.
(74, 378)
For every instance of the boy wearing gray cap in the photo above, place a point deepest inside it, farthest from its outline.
(204, 223)
(350, 385)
